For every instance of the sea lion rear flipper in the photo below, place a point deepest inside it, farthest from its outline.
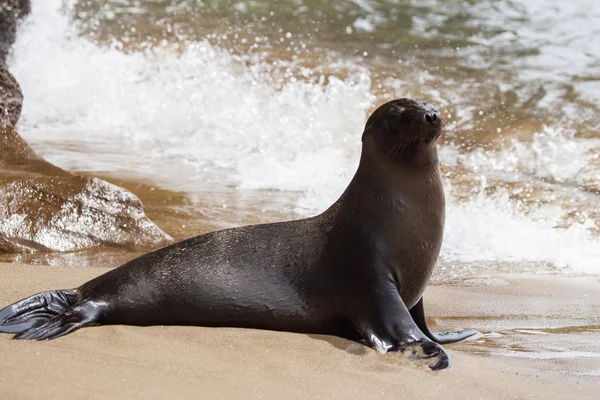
(55, 327)
(34, 310)
(390, 327)
(46, 315)
(418, 315)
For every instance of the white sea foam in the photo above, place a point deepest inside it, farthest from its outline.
(492, 229)
(201, 106)
(204, 114)
(554, 153)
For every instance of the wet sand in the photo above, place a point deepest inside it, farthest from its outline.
(540, 339)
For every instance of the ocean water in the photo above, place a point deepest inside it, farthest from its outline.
(272, 98)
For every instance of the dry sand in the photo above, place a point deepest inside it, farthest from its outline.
(545, 345)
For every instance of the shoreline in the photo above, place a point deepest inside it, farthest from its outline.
(531, 316)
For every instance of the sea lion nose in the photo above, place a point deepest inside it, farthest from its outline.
(431, 117)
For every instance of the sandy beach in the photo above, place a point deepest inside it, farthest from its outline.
(146, 121)
(539, 338)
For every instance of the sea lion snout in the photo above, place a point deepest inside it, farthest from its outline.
(431, 117)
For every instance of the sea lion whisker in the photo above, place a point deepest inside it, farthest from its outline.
(397, 148)
(391, 152)
(401, 149)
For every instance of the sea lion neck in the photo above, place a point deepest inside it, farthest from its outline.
(383, 183)
(408, 159)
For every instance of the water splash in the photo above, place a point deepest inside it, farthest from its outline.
(488, 228)
(201, 115)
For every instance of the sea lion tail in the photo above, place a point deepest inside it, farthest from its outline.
(45, 315)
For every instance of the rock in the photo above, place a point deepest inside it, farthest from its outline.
(44, 208)
(10, 13)
(11, 98)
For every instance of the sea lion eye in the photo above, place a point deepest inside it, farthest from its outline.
(393, 122)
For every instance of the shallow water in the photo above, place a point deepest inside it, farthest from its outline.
(252, 112)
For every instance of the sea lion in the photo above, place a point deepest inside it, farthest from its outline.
(358, 270)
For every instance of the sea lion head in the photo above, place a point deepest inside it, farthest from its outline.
(403, 128)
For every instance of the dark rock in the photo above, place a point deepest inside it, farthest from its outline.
(11, 98)
(11, 11)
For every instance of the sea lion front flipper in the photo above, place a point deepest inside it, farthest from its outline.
(418, 315)
(390, 327)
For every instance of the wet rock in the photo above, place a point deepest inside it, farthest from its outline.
(11, 98)
(44, 208)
